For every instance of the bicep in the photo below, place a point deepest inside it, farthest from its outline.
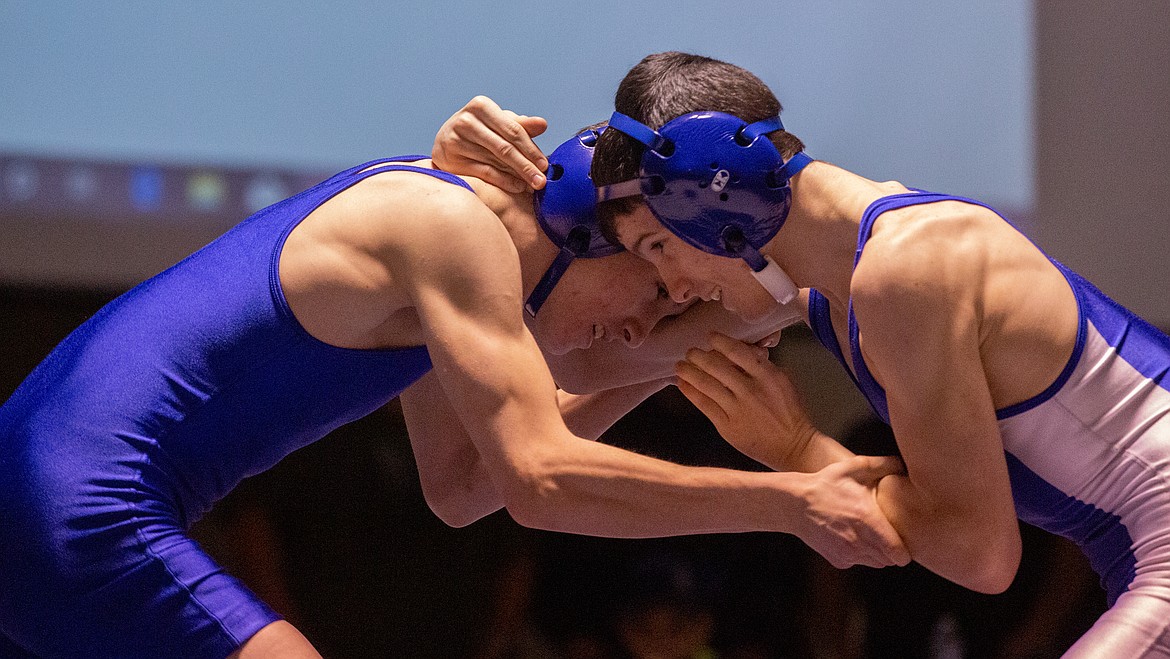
(466, 293)
(921, 338)
(954, 506)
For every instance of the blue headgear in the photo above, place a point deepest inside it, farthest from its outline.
(565, 210)
(713, 180)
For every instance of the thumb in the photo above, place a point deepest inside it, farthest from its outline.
(872, 468)
(533, 125)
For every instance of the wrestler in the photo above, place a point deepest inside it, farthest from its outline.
(1013, 385)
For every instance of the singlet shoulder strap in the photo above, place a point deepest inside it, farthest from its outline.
(892, 202)
(356, 174)
(821, 321)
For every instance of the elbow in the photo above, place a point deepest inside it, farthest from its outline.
(452, 516)
(459, 507)
(531, 497)
(532, 508)
(451, 512)
(992, 564)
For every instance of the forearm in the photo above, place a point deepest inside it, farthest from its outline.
(973, 546)
(812, 454)
(467, 487)
(454, 480)
(596, 489)
(590, 415)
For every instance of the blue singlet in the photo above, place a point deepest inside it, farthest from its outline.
(146, 415)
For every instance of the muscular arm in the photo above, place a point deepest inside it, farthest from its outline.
(469, 306)
(486, 359)
(494, 144)
(921, 337)
(454, 480)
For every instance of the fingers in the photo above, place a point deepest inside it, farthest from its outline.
(735, 366)
(703, 382)
(703, 402)
(717, 377)
(481, 134)
(509, 140)
(872, 468)
(534, 126)
(744, 355)
(490, 173)
(878, 533)
(770, 341)
(885, 539)
(863, 549)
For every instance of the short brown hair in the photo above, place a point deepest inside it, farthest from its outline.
(668, 85)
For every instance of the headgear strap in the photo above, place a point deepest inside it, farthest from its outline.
(565, 210)
(711, 180)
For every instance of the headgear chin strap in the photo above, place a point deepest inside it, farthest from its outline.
(711, 180)
(565, 209)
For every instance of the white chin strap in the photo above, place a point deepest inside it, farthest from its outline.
(776, 281)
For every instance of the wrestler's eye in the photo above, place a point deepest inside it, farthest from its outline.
(663, 294)
(656, 246)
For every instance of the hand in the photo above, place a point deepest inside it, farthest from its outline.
(752, 403)
(492, 144)
(844, 522)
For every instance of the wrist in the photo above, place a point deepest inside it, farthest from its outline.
(787, 502)
(811, 450)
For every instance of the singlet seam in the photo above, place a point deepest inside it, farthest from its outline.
(1148, 469)
(155, 556)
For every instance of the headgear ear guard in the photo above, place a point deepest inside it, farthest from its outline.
(715, 181)
(565, 209)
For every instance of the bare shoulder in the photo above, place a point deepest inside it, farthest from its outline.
(356, 264)
(926, 252)
(412, 220)
(918, 293)
(419, 204)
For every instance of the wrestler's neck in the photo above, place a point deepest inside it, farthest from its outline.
(818, 241)
(517, 214)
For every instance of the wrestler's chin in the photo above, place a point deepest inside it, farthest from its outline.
(561, 345)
